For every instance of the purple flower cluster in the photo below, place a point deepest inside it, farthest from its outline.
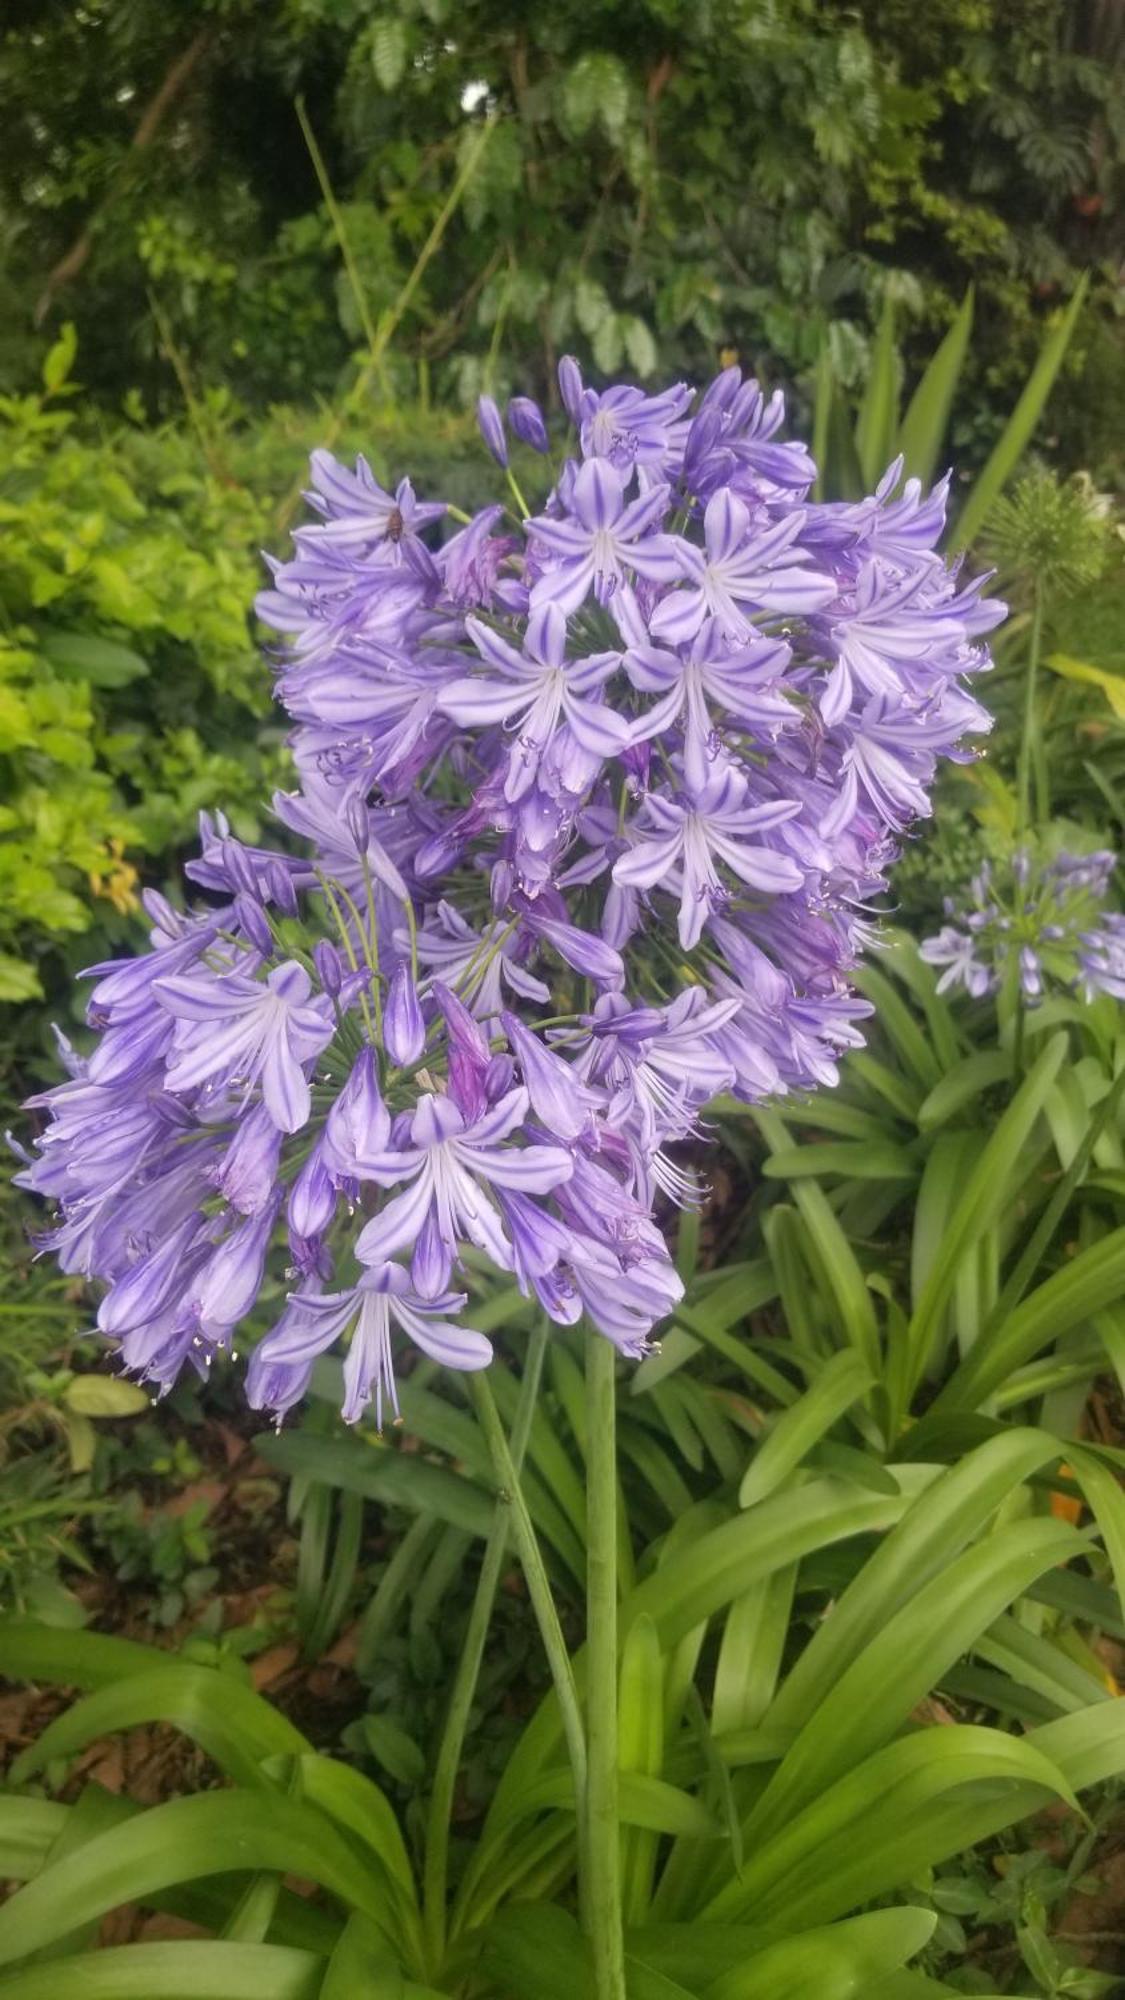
(591, 810)
(1034, 924)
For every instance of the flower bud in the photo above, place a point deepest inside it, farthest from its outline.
(404, 1030)
(492, 429)
(252, 923)
(329, 967)
(570, 386)
(526, 419)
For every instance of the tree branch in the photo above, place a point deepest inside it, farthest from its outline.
(69, 265)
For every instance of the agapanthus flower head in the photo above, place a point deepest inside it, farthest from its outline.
(591, 810)
(1034, 923)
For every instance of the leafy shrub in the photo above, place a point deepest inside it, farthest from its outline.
(130, 695)
(659, 172)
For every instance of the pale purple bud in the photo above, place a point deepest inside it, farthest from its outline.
(144, 1291)
(248, 1170)
(329, 967)
(492, 429)
(358, 821)
(570, 386)
(231, 1279)
(501, 884)
(558, 1098)
(1031, 979)
(526, 419)
(465, 1034)
(357, 1123)
(404, 1030)
(252, 923)
(312, 1199)
(239, 866)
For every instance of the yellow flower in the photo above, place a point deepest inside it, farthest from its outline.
(115, 880)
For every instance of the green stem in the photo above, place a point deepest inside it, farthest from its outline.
(1023, 780)
(603, 1842)
(1040, 1239)
(538, 1584)
(438, 1823)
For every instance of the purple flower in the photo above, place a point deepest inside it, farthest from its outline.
(634, 430)
(1037, 923)
(357, 512)
(449, 1164)
(558, 1097)
(476, 964)
(658, 1065)
(955, 951)
(145, 1291)
(247, 1174)
(607, 538)
(744, 682)
(240, 1032)
(381, 1300)
(226, 1286)
(683, 709)
(542, 686)
(740, 571)
(686, 838)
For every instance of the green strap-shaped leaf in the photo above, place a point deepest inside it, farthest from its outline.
(359, 1965)
(702, 1578)
(862, 1160)
(356, 1803)
(878, 412)
(538, 1953)
(1092, 1280)
(382, 1474)
(841, 1382)
(214, 1833)
(34, 1652)
(998, 1172)
(180, 1971)
(941, 1520)
(1020, 427)
(962, 1085)
(900, 1025)
(1106, 1498)
(224, 1716)
(834, 1963)
(905, 1807)
(29, 1829)
(723, 1563)
(750, 1655)
(907, 1658)
(923, 429)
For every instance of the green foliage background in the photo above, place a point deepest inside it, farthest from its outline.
(666, 178)
(859, 1487)
(243, 229)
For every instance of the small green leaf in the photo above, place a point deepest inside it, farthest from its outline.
(18, 979)
(59, 359)
(106, 1396)
(388, 51)
(1112, 685)
(394, 1749)
(81, 1441)
(81, 656)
